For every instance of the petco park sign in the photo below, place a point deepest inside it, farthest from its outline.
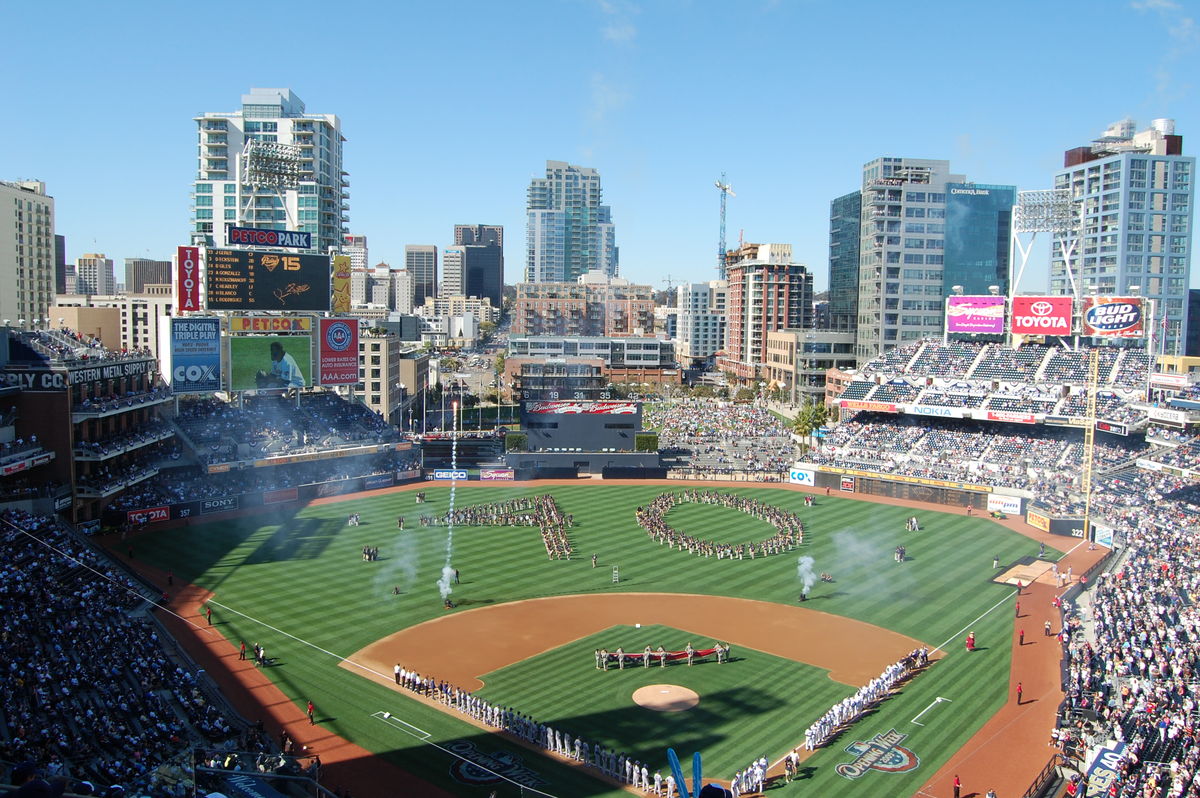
(1041, 315)
(261, 237)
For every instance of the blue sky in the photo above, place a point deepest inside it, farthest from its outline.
(450, 108)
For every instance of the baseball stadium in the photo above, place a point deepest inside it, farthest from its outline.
(976, 579)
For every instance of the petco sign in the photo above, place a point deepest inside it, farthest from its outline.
(1113, 316)
(1041, 315)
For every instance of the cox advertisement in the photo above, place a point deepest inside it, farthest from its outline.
(802, 476)
(269, 362)
(195, 355)
(1041, 315)
(1113, 317)
(975, 314)
(337, 352)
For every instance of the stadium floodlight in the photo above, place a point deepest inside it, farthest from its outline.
(267, 166)
(1052, 211)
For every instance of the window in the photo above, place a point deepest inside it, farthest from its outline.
(914, 227)
(912, 258)
(914, 213)
(937, 197)
(230, 215)
(202, 202)
(914, 243)
(204, 188)
(202, 213)
(914, 196)
(230, 188)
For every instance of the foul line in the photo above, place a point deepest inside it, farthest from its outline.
(985, 614)
(301, 640)
(390, 719)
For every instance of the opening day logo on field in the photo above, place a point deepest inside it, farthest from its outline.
(478, 768)
(882, 753)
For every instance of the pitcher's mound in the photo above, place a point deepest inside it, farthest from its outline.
(666, 698)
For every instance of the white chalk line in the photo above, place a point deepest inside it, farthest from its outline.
(985, 614)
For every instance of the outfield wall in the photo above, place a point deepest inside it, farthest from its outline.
(984, 498)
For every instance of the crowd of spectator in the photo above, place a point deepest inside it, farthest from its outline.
(1132, 660)
(192, 484)
(65, 344)
(1017, 456)
(87, 691)
(717, 437)
(145, 433)
(275, 425)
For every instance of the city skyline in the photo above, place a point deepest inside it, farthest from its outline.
(637, 93)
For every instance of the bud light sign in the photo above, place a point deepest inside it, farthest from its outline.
(1041, 315)
(1113, 317)
(195, 355)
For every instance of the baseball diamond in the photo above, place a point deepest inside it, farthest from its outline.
(517, 640)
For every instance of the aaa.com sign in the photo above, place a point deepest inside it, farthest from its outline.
(1113, 317)
(1041, 315)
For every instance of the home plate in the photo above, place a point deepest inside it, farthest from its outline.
(666, 697)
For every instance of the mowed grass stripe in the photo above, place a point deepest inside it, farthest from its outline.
(303, 572)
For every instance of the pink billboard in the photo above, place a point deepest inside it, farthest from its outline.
(975, 314)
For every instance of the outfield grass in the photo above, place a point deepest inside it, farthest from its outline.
(301, 574)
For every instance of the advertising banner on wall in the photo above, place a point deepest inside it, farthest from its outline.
(846, 484)
(1038, 520)
(1160, 380)
(1113, 317)
(1041, 315)
(187, 279)
(493, 474)
(937, 411)
(262, 237)
(877, 407)
(270, 324)
(802, 476)
(337, 352)
(588, 408)
(1168, 418)
(1009, 505)
(195, 355)
(1011, 417)
(975, 314)
(269, 362)
(339, 301)
(1102, 534)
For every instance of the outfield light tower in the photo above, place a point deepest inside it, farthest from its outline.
(1052, 211)
(267, 166)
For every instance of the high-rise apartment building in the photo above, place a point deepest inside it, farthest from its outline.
(94, 274)
(701, 319)
(924, 230)
(1136, 193)
(767, 292)
(592, 305)
(452, 271)
(27, 250)
(568, 231)
(401, 295)
(140, 272)
(845, 221)
(309, 154)
(421, 262)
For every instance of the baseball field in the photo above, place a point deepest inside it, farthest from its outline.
(524, 628)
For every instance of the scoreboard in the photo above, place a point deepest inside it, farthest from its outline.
(259, 280)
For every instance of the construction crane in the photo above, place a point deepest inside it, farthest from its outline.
(726, 191)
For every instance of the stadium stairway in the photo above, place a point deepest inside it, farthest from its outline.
(979, 358)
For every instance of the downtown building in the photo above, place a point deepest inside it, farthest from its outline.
(1135, 193)
(569, 232)
(311, 154)
(922, 232)
(700, 320)
(421, 263)
(593, 305)
(767, 292)
(474, 265)
(141, 272)
(28, 251)
(94, 275)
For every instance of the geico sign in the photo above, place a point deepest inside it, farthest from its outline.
(193, 374)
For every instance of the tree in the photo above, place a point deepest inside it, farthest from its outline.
(811, 416)
(744, 395)
(499, 364)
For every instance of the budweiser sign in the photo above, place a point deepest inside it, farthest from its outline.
(1041, 315)
(599, 408)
